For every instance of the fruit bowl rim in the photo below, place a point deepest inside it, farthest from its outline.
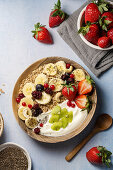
(82, 37)
(50, 139)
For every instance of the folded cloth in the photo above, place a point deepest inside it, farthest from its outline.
(98, 61)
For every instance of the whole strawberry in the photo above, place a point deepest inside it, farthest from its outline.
(106, 21)
(92, 13)
(110, 34)
(99, 155)
(90, 32)
(42, 34)
(69, 92)
(57, 16)
(104, 42)
(108, 14)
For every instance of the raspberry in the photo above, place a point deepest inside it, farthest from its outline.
(49, 91)
(37, 94)
(37, 130)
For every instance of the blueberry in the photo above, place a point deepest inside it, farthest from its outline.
(39, 87)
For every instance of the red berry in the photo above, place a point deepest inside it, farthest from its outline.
(21, 95)
(71, 75)
(30, 106)
(46, 85)
(41, 124)
(52, 87)
(67, 65)
(37, 130)
(69, 103)
(18, 100)
(104, 42)
(73, 105)
(23, 104)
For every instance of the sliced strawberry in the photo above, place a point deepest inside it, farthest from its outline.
(85, 86)
(82, 101)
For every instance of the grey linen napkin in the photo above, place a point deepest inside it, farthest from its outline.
(98, 61)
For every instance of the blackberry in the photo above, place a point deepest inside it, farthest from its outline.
(39, 87)
(65, 76)
(37, 94)
(21, 95)
(49, 91)
(37, 130)
(36, 112)
(70, 80)
(35, 106)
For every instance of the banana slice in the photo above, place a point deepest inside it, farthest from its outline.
(28, 88)
(61, 66)
(24, 113)
(79, 74)
(46, 98)
(50, 69)
(31, 122)
(41, 79)
(27, 100)
(57, 82)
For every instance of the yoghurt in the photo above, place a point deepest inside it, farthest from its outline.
(79, 117)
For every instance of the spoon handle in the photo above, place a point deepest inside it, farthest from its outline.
(75, 150)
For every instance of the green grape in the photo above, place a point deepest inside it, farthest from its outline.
(56, 110)
(70, 116)
(56, 126)
(63, 112)
(54, 118)
(64, 121)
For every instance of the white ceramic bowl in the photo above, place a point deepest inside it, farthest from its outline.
(79, 24)
(8, 144)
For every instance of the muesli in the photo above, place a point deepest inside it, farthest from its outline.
(54, 99)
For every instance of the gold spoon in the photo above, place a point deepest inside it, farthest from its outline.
(103, 122)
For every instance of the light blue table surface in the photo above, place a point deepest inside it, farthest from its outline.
(17, 51)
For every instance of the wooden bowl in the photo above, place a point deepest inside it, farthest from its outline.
(42, 138)
(1, 124)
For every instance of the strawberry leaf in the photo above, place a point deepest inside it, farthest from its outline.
(107, 22)
(105, 154)
(58, 5)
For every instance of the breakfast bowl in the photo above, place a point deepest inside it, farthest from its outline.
(11, 151)
(1, 124)
(80, 21)
(34, 71)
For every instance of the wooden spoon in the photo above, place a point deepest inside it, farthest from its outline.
(103, 122)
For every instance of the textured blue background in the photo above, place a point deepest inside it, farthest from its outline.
(17, 51)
